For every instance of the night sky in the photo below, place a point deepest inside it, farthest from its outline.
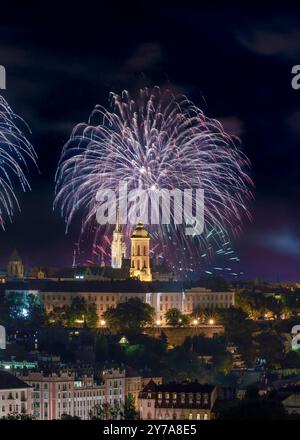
(234, 64)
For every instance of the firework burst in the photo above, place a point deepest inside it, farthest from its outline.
(156, 141)
(15, 152)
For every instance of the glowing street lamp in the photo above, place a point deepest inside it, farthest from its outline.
(158, 322)
(211, 321)
(195, 321)
(102, 322)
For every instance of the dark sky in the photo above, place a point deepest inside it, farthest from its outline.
(235, 64)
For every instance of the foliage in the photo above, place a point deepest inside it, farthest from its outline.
(238, 329)
(129, 408)
(18, 416)
(68, 417)
(79, 314)
(270, 348)
(175, 318)
(106, 411)
(129, 317)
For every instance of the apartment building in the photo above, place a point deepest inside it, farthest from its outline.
(114, 386)
(177, 401)
(55, 394)
(15, 395)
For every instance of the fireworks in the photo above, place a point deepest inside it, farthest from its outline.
(157, 141)
(15, 150)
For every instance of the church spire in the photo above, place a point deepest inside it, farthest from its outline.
(118, 247)
(118, 224)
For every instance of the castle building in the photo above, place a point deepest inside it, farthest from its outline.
(140, 258)
(118, 246)
(161, 296)
(15, 268)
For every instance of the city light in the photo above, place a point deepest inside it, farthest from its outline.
(211, 321)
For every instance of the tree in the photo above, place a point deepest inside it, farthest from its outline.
(79, 314)
(130, 412)
(238, 329)
(59, 316)
(181, 365)
(201, 314)
(68, 417)
(251, 302)
(129, 317)
(23, 309)
(106, 411)
(269, 348)
(275, 306)
(19, 416)
(175, 318)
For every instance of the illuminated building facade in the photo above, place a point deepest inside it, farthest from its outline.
(140, 257)
(65, 393)
(118, 246)
(175, 401)
(15, 395)
(15, 268)
(162, 296)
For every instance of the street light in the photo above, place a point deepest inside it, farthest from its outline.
(195, 321)
(211, 321)
(158, 322)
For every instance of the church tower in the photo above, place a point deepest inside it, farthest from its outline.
(140, 258)
(118, 246)
(15, 268)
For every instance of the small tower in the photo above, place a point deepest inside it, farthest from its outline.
(15, 268)
(118, 246)
(140, 259)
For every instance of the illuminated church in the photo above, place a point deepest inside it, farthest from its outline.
(140, 251)
(140, 254)
(118, 246)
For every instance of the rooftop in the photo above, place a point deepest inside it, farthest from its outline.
(9, 381)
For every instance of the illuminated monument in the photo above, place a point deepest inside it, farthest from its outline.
(140, 259)
(118, 246)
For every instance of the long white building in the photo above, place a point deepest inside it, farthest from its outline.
(161, 296)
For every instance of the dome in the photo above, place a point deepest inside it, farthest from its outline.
(140, 231)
